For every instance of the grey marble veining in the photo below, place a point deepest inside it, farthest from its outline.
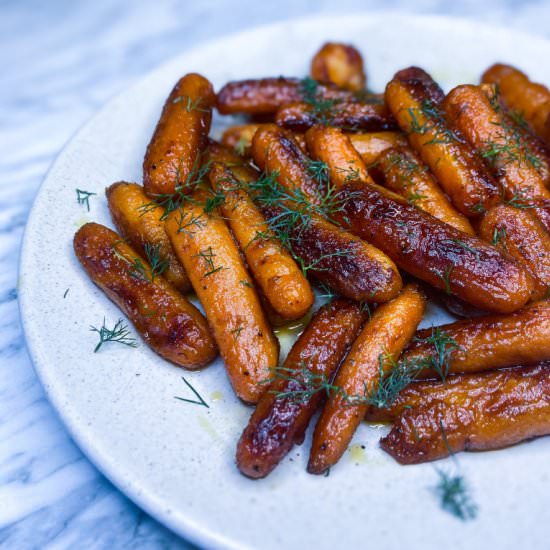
(60, 62)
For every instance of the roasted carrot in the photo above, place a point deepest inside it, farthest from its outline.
(213, 263)
(415, 101)
(340, 64)
(404, 173)
(469, 110)
(264, 96)
(285, 409)
(280, 279)
(470, 413)
(519, 233)
(372, 144)
(374, 352)
(172, 159)
(165, 319)
(353, 116)
(487, 342)
(143, 227)
(527, 98)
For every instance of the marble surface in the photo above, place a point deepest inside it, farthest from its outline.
(61, 61)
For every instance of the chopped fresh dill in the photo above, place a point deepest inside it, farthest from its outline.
(237, 332)
(319, 171)
(186, 221)
(158, 264)
(499, 237)
(66, 292)
(119, 333)
(434, 123)
(315, 264)
(199, 401)
(443, 348)
(190, 104)
(445, 276)
(208, 256)
(83, 197)
(247, 284)
(321, 107)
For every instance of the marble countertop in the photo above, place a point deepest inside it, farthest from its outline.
(61, 61)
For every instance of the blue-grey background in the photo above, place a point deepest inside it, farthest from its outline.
(60, 60)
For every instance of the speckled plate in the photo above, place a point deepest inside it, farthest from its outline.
(175, 459)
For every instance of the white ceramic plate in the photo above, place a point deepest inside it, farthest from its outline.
(176, 460)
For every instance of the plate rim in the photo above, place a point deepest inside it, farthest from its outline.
(186, 529)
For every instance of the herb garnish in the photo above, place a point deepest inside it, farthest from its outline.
(208, 256)
(83, 197)
(199, 401)
(119, 333)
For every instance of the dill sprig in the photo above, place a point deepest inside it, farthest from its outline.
(443, 347)
(321, 107)
(319, 171)
(199, 401)
(499, 237)
(435, 122)
(452, 489)
(182, 191)
(158, 264)
(190, 104)
(119, 333)
(208, 255)
(83, 197)
(445, 276)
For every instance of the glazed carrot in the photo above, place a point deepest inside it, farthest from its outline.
(429, 249)
(433, 251)
(372, 144)
(349, 265)
(340, 64)
(284, 411)
(274, 150)
(377, 346)
(143, 228)
(353, 116)
(479, 412)
(172, 158)
(165, 319)
(487, 342)
(280, 279)
(333, 147)
(533, 146)
(205, 247)
(469, 110)
(404, 173)
(525, 97)
(240, 167)
(414, 99)
(240, 137)
(519, 233)
(264, 96)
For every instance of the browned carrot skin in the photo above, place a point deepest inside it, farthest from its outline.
(372, 144)
(491, 341)
(239, 138)
(181, 134)
(266, 95)
(414, 99)
(385, 335)
(519, 233)
(240, 167)
(140, 227)
(352, 116)
(275, 150)
(404, 173)
(165, 319)
(280, 279)
(433, 251)
(471, 413)
(531, 144)
(280, 422)
(520, 94)
(343, 262)
(469, 110)
(226, 291)
(339, 64)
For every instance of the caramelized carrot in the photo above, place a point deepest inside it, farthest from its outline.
(372, 144)
(166, 320)
(283, 413)
(213, 263)
(340, 64)
(280, 279)
(377, 346)
(172, 158)
(414, 99)
(470, 111)
(143, 227)
(479, 412)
